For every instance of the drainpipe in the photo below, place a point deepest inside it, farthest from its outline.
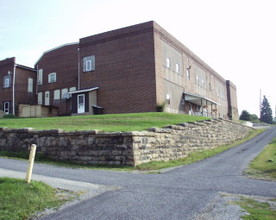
(13, 89)
(78, 68)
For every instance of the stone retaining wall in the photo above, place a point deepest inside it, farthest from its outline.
(124, 148)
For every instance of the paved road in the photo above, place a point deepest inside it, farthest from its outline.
(177, 194)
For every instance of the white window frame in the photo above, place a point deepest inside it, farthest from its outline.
(39, 98)
(57, 94)
(40, 77)
(47, 98)
(64, 93)
(52, 77)
(30, 85)
(71, 89)
(6, 109)
(177, 69)
(88, 63)
(188, 74)
(168, 62)
(7, 81)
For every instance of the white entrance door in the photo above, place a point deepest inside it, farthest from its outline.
(81, 103)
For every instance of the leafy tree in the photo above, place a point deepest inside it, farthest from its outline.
(266, 112)
(245, 116)
(254, 118)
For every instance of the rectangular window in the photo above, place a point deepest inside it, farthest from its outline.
(88, 63)
(30, 85)
(71, 89)
(47, 98)
(188, 73)
(64, 93)
(168, 62)
(7, 81)
(40, 77)
(39, 98)
(177, 68)
(57, 94)
(52, 77)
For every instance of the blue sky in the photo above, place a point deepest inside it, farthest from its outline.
(237, 38)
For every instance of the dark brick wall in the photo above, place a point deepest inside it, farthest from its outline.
(22, 96)
(124, 70)
(64, 62)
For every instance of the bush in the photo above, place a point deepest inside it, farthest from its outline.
(160, 107)
(9, 116)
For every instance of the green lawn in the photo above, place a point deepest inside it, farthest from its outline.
(264, 165)
(19, 200)
(112, 122)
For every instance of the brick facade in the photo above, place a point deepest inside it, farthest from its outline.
(132, 69)
(20, 87)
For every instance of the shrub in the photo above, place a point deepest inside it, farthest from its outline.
(9, 116)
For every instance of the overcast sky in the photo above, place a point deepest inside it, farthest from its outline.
(237, 38)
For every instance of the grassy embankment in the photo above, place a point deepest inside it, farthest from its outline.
(19, 200)
(115, 122)
(264, 165)
(112, 122)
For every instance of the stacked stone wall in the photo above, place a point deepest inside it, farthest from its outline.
(124, 148)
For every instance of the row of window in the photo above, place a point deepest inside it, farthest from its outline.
(169, 65)
(7, 83)
(88, 65)
(58, 94)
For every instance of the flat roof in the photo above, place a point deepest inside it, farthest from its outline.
(84, 90)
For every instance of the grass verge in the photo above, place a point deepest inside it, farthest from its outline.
(19, 200)
(257, 210)
(264, 165)
(109, 123)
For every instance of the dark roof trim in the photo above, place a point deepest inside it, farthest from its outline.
(84, 90)
(25, 67)
(200, 97)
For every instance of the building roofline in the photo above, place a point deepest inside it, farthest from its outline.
(25, 67)
(55, 48)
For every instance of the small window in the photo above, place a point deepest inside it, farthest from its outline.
(168, 62)
(7, 81)
(188, 74)
(40, 77)
(30, 85)
(177, 67)
(64, 93)
(89, 63)
(52, 77)
(39, 98)
(168, 98)
(57, 94)
(71, 89)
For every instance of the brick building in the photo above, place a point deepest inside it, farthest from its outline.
(132, 69)
(18, 86)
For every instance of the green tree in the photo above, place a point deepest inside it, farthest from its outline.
(245, 116)
(266, 112)
(254, 118)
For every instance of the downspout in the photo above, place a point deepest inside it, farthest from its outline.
(13, 89)
(78, 68)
